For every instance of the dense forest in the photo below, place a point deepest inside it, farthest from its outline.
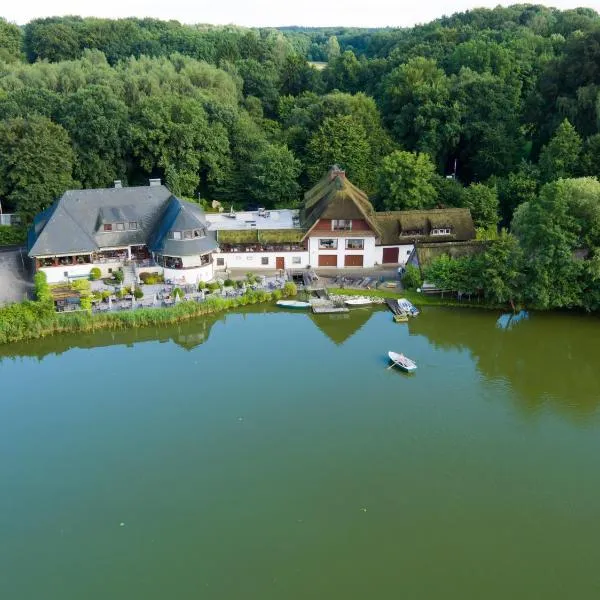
(497, 110)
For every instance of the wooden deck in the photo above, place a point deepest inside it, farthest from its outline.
(325, 309)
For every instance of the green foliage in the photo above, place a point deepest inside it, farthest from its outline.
(289, 289)
(229, 283)
(482, 200)
(95, 274)
(411, 279)
(118, 276)
(561, 157)
(138, 293)
(202, 285)
(405, 181)
(12, 236)
(41, 288)
(36, 162)
(151, 278)
(177, 293)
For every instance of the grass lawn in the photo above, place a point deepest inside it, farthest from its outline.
(414, 297)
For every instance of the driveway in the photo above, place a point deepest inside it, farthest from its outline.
(15, 283)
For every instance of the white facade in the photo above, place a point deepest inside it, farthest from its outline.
(368, 252)
(187, 276)
(63, 273)
(249, 220)
(252, 261)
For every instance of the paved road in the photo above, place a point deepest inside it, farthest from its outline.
(15, 284)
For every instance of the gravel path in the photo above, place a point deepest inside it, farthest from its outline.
(15, 284)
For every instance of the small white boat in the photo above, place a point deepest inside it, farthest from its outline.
(408, 307)
(402, 361)
(358, 301)
(292, 304)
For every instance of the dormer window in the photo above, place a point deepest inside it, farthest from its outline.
(107, 226)
(341, 225)
(176, 235)
(120, 226)
(441, 231)
(133, 225)
(187, 235)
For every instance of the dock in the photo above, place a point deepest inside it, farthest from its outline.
(327, 309)
(393, 306)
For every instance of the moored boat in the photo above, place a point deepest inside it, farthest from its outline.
(293, 304)
(408, 307)
(358, 301)
(402, 361)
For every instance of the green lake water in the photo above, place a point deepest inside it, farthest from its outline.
(272, 455)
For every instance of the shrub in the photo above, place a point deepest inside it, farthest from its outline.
(138, 293)
(85, 302)
(239, 284)
(12, 236)
(277, 294)
(95, 274)
(412, 278)
(118, 276)
(229, 283)
(202, 286)
(106, 294)
(290, 289)
(41, 288)
(82, 286)
(213, 286)
(177, 293)
(151, 278)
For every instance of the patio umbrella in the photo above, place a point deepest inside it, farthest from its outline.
(109, 303)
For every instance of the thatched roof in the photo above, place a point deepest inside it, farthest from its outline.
(426, 252)
(408, 226)
(258, 236)
(334, 197)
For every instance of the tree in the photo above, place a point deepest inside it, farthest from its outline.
(520, 186)
(405, 181)
(590, 160)
(564, 219)
(482, 201)
(10, 41)
(501, 268)
(36, 164)
(419, 108)
(97, 122)
(340, 140)
(273, 177)
(333, 48)
(560, 158)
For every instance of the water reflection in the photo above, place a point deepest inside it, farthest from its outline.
(548, 360)
(509, 320)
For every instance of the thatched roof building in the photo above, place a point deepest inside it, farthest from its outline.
(436, 225)
(335, 197)
(424, 253)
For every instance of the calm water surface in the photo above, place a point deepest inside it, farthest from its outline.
(273, 455)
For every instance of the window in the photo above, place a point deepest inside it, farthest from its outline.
(176, 235)
(408, 252)
(220, 262)
(355, 244)
(328, 244)
(187, 235)
(120, 226)
(264, 260)
(198, 233)
(442, 231)
(296, 260)
(133, 225)
(341, 225)
(108, 227)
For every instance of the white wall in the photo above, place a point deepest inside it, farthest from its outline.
(253, 260)
(57, 274)
(403, 253)
(369, 251)
(181, 276)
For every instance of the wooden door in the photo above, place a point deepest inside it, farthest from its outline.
(328, 260)
(280, 263)
(353, 260)
(390, 255)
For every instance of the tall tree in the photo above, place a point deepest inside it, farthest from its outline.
(482, 200)
(36, 163)
(560, 158)
(405, 181)
(340, 140)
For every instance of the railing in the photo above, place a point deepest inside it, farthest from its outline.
(10, 219)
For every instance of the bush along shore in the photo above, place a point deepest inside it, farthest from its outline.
(36, 319)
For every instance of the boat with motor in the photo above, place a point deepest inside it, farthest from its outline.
(405, 363)
(293, 304)
(408, 307)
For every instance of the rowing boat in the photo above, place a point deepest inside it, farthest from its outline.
(293, 304)
(358, 301)
(402, 361)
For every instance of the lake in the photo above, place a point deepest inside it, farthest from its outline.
(268, 454)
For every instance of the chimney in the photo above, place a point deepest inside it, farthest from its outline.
(118, 183)
(336, 172)
(155, 182)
